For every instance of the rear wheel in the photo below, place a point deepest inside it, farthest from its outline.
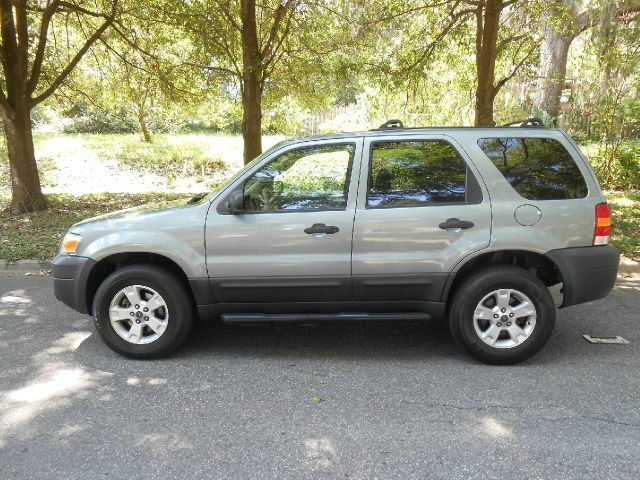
(143, 311)
(502, 314)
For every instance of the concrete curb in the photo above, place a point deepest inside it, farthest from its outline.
(24, 266)
(628, 266)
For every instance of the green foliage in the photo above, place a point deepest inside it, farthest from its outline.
(622, 174)
(98, 121)
(625, 229)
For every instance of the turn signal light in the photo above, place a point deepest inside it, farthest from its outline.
(602, 232)
(70, 243)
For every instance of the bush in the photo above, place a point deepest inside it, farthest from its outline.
(620, 173)
(100, 122)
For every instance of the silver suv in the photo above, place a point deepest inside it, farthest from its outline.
(471, 226)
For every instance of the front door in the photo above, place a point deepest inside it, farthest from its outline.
(291, 242)
(421, 209)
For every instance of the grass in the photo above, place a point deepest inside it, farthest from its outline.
(204, 157)
(625, 207)
(38, 235)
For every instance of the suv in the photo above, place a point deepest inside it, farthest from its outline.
(467, 225)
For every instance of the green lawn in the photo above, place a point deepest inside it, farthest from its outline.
(206, 158)
(38, 235)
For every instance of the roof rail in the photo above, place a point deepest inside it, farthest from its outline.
(391, 124)
(529, 122)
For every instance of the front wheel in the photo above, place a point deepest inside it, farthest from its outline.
(502, 315)
(143, 311)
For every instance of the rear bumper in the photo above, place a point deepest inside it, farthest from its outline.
(70, 278)
(588, 273)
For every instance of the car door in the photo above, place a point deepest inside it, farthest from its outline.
(291, 239)
(422, 207)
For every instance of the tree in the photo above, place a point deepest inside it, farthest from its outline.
(240, 42)
(561, 23)
(488, 47)
(138, 70)
(30, 75)
(432, 37)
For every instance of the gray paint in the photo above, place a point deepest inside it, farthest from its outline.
(527, 215)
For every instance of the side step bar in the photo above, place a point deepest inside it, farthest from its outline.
(320, 317)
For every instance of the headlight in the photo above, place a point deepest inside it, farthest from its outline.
(70, 243)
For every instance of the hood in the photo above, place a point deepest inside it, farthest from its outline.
(139, 211)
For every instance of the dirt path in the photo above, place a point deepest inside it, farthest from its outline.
(88, 173)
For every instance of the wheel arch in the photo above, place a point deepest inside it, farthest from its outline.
(537, 263)
(106, 266)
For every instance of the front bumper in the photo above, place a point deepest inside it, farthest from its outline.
(70, 280)
(588, 273)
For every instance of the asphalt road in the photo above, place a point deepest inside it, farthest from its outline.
(398, 400)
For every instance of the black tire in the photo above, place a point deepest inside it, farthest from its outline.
(173, 291)
(481, 283)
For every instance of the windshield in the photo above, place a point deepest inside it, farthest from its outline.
(239, 173)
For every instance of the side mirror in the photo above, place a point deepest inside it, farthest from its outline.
(236, 202)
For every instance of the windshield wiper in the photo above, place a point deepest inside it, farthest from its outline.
(197, 198)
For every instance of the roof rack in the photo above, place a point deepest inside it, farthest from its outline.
(391, 124)
(396, 124)
(529, 122)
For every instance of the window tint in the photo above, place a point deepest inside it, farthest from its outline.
(537, 168)
(416, 173)
(307, 178)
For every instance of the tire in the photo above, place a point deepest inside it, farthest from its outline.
(172, 320)
(517, 333)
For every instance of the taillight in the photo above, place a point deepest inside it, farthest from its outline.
(602, 231)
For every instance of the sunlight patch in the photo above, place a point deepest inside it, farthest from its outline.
(69, 342)
(321, 451)
(62, 383)
(9, 298)
(494, 428)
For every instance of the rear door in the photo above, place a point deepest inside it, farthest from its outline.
(422, 207)
(292, 240)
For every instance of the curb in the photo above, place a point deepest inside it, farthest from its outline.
(628, 266)
(24, 266)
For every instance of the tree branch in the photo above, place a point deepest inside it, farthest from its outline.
(504, 80)
(279, 15)
(228, 16)
(590, 18)
(42, 43)
(5, 106)
(78, 56)
(22, 29)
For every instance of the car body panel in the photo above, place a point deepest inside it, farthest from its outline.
(265, 255)
(175, 233)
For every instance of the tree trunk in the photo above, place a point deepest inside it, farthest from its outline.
(487, 19)
(144, 128)
(251, 83)
(553, 60)
(25, 181)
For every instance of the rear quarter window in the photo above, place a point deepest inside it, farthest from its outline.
(537, 168)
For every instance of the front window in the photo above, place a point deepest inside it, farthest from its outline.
(310, 178)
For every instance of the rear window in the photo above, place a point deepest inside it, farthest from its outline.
(416, 173)
(537, 168)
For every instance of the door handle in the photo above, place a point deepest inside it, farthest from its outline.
(456, 223)
(321, 228)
